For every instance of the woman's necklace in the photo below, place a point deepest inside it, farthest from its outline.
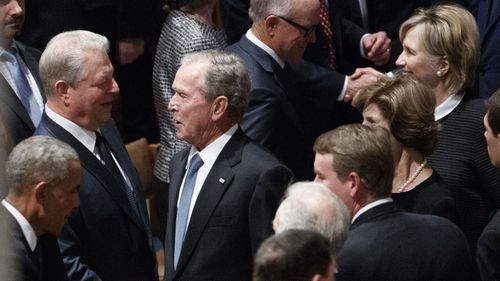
(413, 176)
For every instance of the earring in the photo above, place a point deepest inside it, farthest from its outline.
(439, 73)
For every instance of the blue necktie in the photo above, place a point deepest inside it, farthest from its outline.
(184, 204)
(23, 87)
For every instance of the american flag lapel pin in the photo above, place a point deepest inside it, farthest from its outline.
(221, 180)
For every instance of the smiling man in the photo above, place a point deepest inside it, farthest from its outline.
(224, 189)
(108, 237)
(43, 175)
(286, 91)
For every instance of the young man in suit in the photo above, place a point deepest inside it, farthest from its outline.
(224, 189)
(21, 96)
(108, 236)
(43, 175)
(286, 91)
(488, 246)
(355, 162)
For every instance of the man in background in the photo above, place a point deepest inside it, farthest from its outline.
(43, 175)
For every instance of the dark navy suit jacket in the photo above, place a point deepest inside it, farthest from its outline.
(281, 104)
(489, 65)
(45, 264)
(388, 244)
(105, 237)
(233, 213)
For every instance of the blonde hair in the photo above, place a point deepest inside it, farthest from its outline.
(448, 32)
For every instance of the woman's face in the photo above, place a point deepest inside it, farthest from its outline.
(372, 115)
(414, 59)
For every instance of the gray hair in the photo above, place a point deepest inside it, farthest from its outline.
(226, 75)
(37, 159)
(64, 56)
(312, 206)
(260, 9)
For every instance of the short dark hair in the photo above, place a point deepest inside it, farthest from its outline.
(293, 254)
(493, 111)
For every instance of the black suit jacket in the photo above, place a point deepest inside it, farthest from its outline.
(388, 244)
(104, 237)
(233, 213)
(25, 265)
(16, 121)
(488, 250)
(282, 102)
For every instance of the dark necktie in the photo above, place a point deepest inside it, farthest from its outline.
(109, 162)
(184, 204)
(23, 89)
(327, 29)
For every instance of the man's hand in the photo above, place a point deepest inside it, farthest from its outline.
(377, 47)
(128, 50)
(360, 79)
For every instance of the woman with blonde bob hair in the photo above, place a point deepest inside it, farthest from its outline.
(405, 107)
(441, 49)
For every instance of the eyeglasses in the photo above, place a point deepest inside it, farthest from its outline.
(307, 31)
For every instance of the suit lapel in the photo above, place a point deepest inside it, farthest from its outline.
(177, 171)
(486, 25)
(211, 193)
(271, 66)
(10, 98)
(92, 165)
(117, 148)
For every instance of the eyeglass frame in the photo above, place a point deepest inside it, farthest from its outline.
(308, 31)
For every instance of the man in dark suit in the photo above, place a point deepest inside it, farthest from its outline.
(16, 115)
(487, 14)
(222, 208)
(286, 90)
(384, 243)
(488, 245)
(128, 25)
(43, 176)
(108, 236)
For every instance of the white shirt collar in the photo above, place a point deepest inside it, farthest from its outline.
(210, 153)
(27, 229)
(86, 137)
(448, 106)
(250, 36)
(370, 206)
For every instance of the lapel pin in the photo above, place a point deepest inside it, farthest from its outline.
(221, 180)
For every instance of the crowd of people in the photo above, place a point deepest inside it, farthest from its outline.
(298, 140)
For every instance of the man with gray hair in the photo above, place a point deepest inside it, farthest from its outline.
(108, 236)
(287, 92)
(224, 189)
(311, 206)
(43, 175)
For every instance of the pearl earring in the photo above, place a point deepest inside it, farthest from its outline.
(439, 73)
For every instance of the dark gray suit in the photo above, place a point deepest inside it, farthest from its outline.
(282, 102)
(104, 236)
(388, 244)
(16, 121)
(232, 214)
